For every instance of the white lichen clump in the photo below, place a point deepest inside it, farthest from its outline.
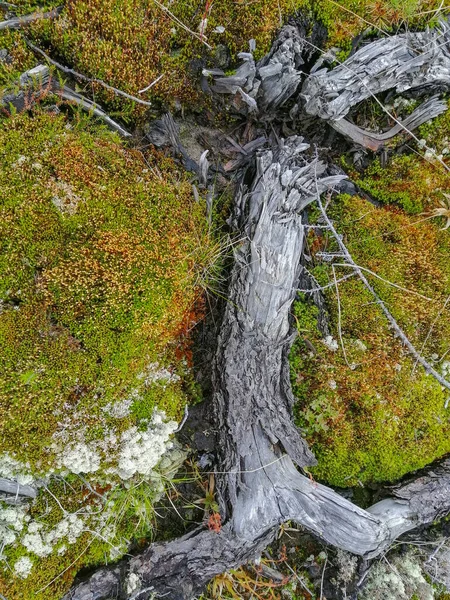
(399, 579)
(23, 566)
(12, 521)
(137, 451)
(331, 343)
(41, 542)
(154, 373)
(10, 468)
(133, 583)
(140, 451)
(80, 458)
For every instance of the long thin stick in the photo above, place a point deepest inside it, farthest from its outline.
(77, 75)
(201, 38)
(426, 365)
(17, 22)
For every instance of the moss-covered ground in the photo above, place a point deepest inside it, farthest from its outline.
(101, 255)
(129, 44)
(373, 414)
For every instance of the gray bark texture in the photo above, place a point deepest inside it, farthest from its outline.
(260, 448)
(399, 62)
(402, 63)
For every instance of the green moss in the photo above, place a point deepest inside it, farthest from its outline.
(98, 268)
(346, 19)
(375, 415)
(408, 181)
(100, 264)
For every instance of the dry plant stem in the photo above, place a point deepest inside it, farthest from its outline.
(151, 84)
(77, 75)
(201, 38)
(395, 326)
(18, 22)
(36, 81)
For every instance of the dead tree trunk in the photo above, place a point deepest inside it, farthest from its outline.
(260, 447)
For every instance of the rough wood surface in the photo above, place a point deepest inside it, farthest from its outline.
(400, 62)
(15, 491)
(260, 448)
(265, 86)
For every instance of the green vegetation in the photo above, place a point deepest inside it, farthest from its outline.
(101, 262)
(130, 43)
(374, 415)
(98, 265)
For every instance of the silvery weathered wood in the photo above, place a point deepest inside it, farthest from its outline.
(265, 86)
(374, 141)
(15, 489)
(260, 448)
(399, 62)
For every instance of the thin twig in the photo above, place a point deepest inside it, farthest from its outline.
(431, 328)
(325, 287)
(17, 22)
(151, 84)
(399, 287)
(323, 577)
(298, 578)
(78, 75)
(341, 339)
(405, 340)
(182, 25)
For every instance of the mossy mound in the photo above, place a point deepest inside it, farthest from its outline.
(409, 181)
(129, 44)
(373, 414)
(101, 255)
(98, 265)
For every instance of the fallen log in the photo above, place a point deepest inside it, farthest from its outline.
(260, 449)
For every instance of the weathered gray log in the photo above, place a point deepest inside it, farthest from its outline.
(15, 489)
(36, 82)
(18, 22)
(259, 484)
(400, 62)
